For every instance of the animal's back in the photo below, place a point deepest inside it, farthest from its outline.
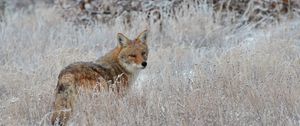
(85, 75)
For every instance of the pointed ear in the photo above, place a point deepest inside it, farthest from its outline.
(143, 36)
(122, 39)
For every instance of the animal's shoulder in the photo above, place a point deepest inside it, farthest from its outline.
(85, 67)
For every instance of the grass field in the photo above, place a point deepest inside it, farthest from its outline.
(200, 72)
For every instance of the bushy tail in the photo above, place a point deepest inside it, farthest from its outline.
(64, 102)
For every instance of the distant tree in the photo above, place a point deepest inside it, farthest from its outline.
(2, 9)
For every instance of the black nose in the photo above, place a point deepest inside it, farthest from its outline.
(144, 64)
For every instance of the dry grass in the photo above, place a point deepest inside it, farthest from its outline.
(199, 73)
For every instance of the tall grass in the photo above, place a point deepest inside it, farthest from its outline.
(200, 73)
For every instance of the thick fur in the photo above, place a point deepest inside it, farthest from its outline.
(115, 71)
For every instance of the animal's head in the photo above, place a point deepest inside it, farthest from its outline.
(134, 53)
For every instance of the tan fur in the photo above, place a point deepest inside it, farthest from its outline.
(114, 72)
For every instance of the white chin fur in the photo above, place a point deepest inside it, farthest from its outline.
(132, 68)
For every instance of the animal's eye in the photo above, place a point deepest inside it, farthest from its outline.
(132, 55)
(143, 53)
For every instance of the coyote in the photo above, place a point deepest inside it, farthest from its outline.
(115, 71)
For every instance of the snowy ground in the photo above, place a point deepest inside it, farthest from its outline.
(200, 73)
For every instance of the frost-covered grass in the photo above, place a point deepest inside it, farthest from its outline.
(199, 73)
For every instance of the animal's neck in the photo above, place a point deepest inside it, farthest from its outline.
(118, 71)
(110, 60)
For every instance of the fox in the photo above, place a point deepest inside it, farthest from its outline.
(115, 71)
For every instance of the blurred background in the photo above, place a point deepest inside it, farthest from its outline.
(91, 11)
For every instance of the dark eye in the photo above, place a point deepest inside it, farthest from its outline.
(132, 55)
(143, 53)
